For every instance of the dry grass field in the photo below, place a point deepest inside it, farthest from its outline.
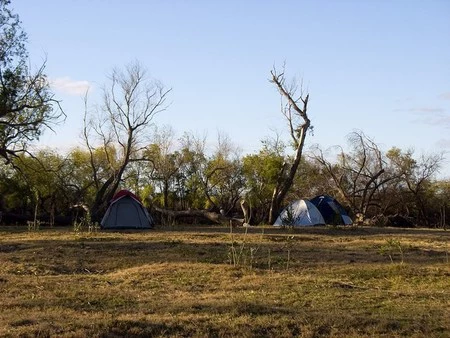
(210, 282)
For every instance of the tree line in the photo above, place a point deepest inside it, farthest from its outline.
(178, 176)
(182, 175)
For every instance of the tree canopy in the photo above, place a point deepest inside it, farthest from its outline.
(27, 105)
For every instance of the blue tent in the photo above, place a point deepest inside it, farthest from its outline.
(331, 210)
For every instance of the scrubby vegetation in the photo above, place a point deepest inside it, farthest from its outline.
(57, 189)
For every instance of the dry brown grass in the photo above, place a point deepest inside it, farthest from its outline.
(206, 282)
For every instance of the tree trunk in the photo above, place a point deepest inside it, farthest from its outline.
(246, 210)
(101, 199)
(298, 135)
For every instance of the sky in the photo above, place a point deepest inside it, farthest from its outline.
(382, 67)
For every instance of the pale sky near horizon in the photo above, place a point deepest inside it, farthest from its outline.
(382, 67)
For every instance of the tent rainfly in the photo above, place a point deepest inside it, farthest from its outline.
(300, 213)
(332, 211)
(126, 212)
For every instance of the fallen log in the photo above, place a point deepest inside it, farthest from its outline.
(209, 215)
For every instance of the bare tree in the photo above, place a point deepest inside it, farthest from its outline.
(417, 176)
(120, 128)
(359, 174)
(294, 108)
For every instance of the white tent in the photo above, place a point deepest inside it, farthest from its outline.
(126, 212)
(300, 213)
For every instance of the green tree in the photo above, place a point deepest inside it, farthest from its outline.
(261, 174)
(27, 105)
(442, 202)
(208, 185)
(12, 191)
(192, 173)
(311, 180)
(214, 181)
(166, 164)
(78, 174)
(224, 181)
(44, 185)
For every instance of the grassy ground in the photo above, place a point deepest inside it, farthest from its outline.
(208, 282)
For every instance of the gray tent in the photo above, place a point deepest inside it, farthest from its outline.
(126, 212)
(300, 213)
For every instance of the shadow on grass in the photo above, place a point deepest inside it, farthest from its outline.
(96, 256)
(314, 230)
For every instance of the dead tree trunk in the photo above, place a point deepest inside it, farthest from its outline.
(209, 215)
(295, 112)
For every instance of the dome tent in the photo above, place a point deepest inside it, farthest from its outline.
(126, 212)
(300, 213)
(332, 211)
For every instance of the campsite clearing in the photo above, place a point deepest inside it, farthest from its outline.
(209, 281)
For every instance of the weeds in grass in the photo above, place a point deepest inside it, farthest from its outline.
(78, 226)
(236, 250)
(288, 259)
(244, 253)
(390, 248)
(288, 219)
(85, 223)
(288, 245)
(252, 256)
(239, 254)
(34, 225)
(254, 250)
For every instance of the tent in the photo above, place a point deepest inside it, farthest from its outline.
(126, 212)
(331, 210)
(300, 213)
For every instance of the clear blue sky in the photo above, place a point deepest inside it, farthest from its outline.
(379, 66)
